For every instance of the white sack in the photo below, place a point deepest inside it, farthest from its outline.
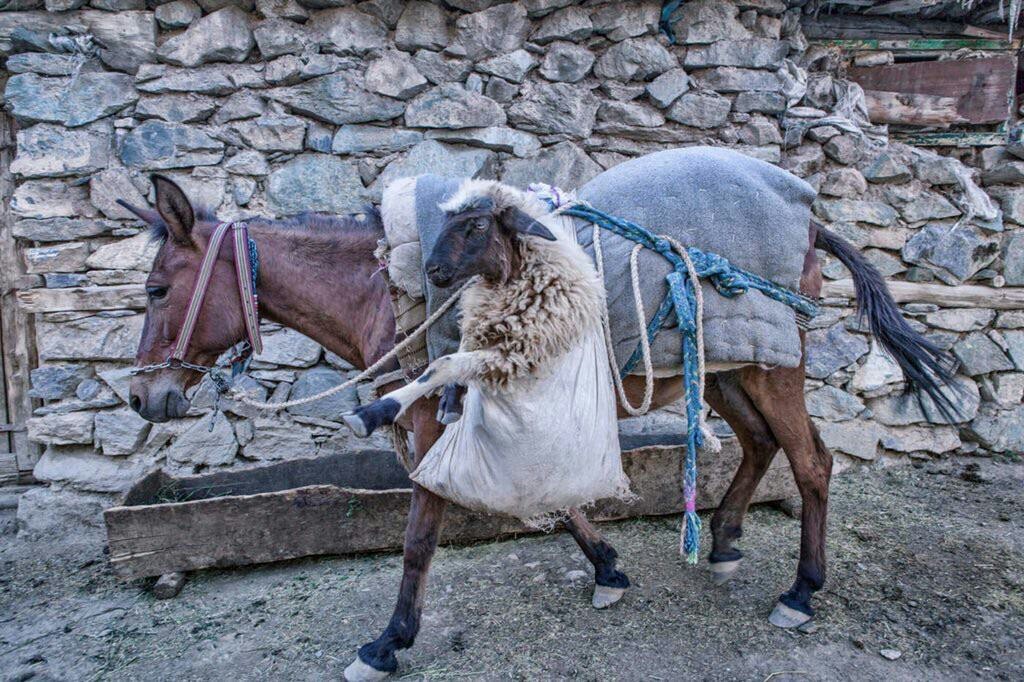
(549, 444)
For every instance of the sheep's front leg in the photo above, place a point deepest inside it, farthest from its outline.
(457, 368)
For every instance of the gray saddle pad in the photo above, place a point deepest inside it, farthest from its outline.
(718, 200)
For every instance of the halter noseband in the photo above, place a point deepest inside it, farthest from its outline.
(246, 272)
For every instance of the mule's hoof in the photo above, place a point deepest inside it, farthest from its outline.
(355, 422)
(787, 617)
(606, 596)
(723, 571)
(450, 417)
(357, 671)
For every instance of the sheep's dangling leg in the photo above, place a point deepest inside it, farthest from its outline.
(457, 368)
(449, 409)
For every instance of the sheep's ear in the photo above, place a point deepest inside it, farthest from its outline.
(524, 224)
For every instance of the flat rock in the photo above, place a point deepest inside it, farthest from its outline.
(1011, 201)
(635, 59)
(1001, 431)
(83, 468)
(57, 381)
(554, 108)
(337, 98)
(69, 101)
(498, 138)
(50, 151)
(422, 25)
(64, 257)
(618, 21)
(223, 36)
(953, 254)
(452, 106)
(700, 110)
(53, 198)
(960, 319)
(978, 354)
(239, 106)
(751, 53)
(361, 139)
(177, 14)
(1013, 260)
(858, 438)
(315, 182)
(762, 102)
(563, 165)
(495, 30)
(844, 182)
(844, 149)
(72, 428)
(439, 68)
(936, 170)
(44, 64)
(850, 210)
(572, 24)
(666, 88)
(211, 79)
(833, 404)
(275, 440)
(630, 113)
(431, 156)
(347, 31)
(210, 441)
(157, 145)
(176, 108)
(61, 229)
(567, 62)
(277, 37)
(120, 432)
(395, 75)
(707, 21)
(885, 168)
(316, 380)
(830, 350)
(931, 439)
(272, 132)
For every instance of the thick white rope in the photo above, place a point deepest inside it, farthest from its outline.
(369, 371)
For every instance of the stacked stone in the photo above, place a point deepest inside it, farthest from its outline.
(275, 107)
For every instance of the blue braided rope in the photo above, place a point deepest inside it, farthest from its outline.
(729, 281)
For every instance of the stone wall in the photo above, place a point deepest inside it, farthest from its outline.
(277, 106)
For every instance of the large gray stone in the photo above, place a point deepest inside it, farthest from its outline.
(176, 108)
(223, 36)
(1013, 259)
(700, 110)
(707, 21)
(347, 31)
(44, 64)
(97, 337)
(960, 319)
(452, 106)
(315, 182)
(69, 101)
(978, 354)
(563, 165)
(734, 79)
(133, 253)
(84, 469)
(1011, 200)
(431, 156)
(72, 428)
(272, 132)
(900, 409)
(210, 441)
(762, 102)
(57, 381)
(498, 138)
(337, 98)
(618, 21)
(276, 37)
(360, 139)
(49, 151)
(492, 31)
(921, 438)
(853, 211)
(61, 229)
(63, 257)
(830, 350)
(285, 9)
(177, 14)
(572, 24)
(51, 199)
(158, 145)
(635, 59)
(936, 170)
(319, 379)
(857, 438)
(512, 66)
(289, 348)
(953, 254)
(885, 168)
(422, 25)
(630, 114)
(751, 53)
(212, 79)
(394, 75)
(554, 108)
(239, 106)
(279, 440)
(439, 68)
(844, 182)
(833, 404)
(1015, 347)
(1001, 431)
(567, 62)
(666, 88)
(120, 432)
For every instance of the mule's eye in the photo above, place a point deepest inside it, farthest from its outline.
(481, 224)
(156, 293)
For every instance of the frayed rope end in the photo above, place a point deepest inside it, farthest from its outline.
(689, 540)
(711, 442)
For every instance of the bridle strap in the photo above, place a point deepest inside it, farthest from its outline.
(244, 272)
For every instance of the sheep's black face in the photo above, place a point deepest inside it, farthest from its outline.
(478, 240)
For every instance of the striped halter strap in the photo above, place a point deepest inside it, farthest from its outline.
(246, 270)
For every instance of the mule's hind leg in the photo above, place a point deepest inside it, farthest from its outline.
(377, 660)
(779, 396)
(609, 583)
(725, 395)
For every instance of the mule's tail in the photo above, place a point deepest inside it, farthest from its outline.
(925, 366)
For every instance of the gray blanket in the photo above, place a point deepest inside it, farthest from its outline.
(718, 200)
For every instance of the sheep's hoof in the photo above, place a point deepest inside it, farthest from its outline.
(357, 671)
(605, 596)
(787, 617)
(723, 571)
(358, 426)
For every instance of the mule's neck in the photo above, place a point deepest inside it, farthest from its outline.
(324, 283)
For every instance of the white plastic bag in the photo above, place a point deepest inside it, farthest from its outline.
(549, 444)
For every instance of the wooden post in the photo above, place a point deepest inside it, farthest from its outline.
(17, 335)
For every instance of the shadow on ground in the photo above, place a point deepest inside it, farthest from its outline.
(926, 563)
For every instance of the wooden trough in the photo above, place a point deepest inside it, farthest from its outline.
(357, 502)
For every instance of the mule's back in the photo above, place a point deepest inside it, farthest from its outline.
(721, 201)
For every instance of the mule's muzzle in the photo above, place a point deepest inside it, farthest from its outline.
(159, 405)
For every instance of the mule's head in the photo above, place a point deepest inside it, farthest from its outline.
(482, 222)
(160, 395)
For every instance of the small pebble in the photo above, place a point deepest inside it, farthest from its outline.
(575, 575)
(890, 654)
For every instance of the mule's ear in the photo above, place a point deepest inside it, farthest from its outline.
(524, 224)
(147, 215)
(175, 209)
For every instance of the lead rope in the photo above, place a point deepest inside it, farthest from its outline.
(238, 395)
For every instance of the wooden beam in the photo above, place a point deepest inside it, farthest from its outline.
(962, 296)
(921, 44)
(118, 297)
(912, 109)
(953, 139)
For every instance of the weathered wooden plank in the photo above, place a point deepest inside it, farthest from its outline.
(17, 335)
(962, 296)
(952, 139)
(912, 109)
(8, 468)
(825, 26)
(117, 297)
(155, 539)
(921, 44)
(982, 87)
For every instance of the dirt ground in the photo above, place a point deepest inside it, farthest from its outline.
(927, 564)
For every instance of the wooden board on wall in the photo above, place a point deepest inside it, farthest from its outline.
(983, 88)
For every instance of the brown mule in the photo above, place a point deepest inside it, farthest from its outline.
(317, 276)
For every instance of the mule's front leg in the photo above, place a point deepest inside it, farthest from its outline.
(457, 368)
(609, 583)
(377, 660)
